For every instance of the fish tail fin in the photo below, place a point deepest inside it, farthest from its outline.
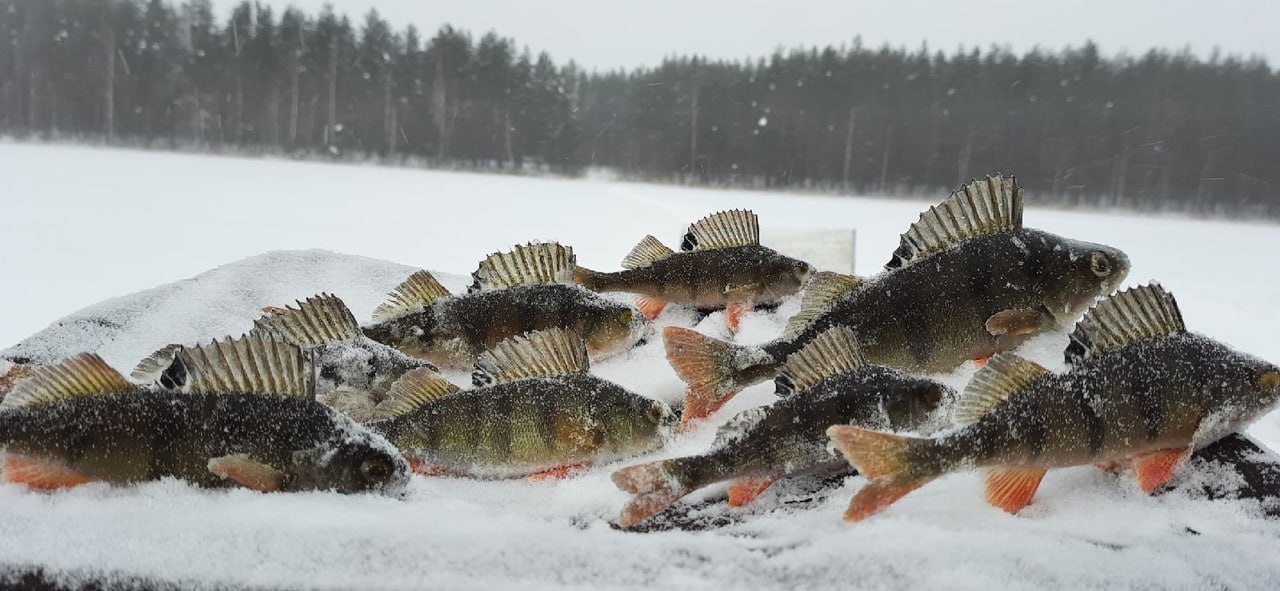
(709, 366)
(884, 459)
(655, 487)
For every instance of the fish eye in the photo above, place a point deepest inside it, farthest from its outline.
(1269, 380)
(626, 316)
(933, 395)
(377, 469)
(1100, 264)
(655, 413)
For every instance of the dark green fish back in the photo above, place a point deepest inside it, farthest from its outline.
(713, 278)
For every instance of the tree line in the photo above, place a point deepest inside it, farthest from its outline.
(1162, 130)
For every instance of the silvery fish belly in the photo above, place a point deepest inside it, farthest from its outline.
(1139, 389)
(720, 264)
(967, 281)
(247, 418)
(833, 385)
(529, 288)
(535, 409)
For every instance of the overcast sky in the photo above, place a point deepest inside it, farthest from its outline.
(614, 33)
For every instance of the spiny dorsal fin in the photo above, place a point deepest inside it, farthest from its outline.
(535, 263)
(1127, 317)
(413, 389)
(980, 208)
(1003, 376)
(317, 320)
(551, 352)
(86, 374)
(819, 293)
(644, 254)
(835, 351)
(419, 290)
(149, 370)
(737, 227)
(247, 365)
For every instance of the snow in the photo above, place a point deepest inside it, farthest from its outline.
(80, 225)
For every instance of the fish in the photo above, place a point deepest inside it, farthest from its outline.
(1138, 390)
(352, 372)
(528, 288)
(967, 281)
(721, 264)
(833, 385)
(248, 419)
(534, 410)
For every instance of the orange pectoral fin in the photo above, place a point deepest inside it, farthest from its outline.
(733, 315)
(248, 473)
(1156, 468)
(981, 361)
(558, 473)
(1012, 487)
(745, 490)
(650, 306)
(40, 473)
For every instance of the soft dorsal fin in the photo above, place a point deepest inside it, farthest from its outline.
(535, 263)
(317, 320)
(86, 374)
(419, 290)
(819, 293)
(736, 227)
(833, 352)
(551, 352)
(414, 389)
(247, 365)
(1003, 376)
(150, 370)
(1133, 315)
(644, 254)
(980, 208)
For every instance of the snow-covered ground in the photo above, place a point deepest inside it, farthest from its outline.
(80, 226)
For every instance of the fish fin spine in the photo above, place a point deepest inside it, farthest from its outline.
(247, 365)
(1012, 487)
(535, 263)
(647, 252)
(724, 229)
(412, 390)
(1133, 315)
(541, 353)
(833, 352)
(84, 375)
(822, 291)
(980, 208)
(414, 293)
(1156, 468)
(317, 320)
(1000, 378)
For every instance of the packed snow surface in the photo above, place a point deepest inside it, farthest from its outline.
(79, 226)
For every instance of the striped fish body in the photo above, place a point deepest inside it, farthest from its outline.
(140, 436)
(1176, 392)
(789, 437)
(716, 278)
(451, 332)
(529, 425)
(933, 315)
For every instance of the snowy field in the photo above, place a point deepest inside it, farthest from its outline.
(121, 243)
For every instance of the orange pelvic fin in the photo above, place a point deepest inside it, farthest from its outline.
(1156, 468)
(40, 473)
(878, 494)
(733, 315)
(1012, 487)
(558, 473)
(654, 487)
(422, 468)
(981, 361)
(745, 490)
(704, 364)
(650, 306)
(248, 473)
